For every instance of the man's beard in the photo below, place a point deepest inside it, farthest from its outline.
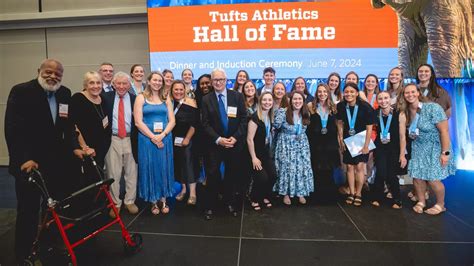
(44, 84)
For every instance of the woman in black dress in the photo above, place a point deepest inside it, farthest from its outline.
(185, 166)
(88, 114)
(322, 135)
(390, 151)
(259, 139)
(354, 115)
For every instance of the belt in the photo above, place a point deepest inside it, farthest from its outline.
(116, 135)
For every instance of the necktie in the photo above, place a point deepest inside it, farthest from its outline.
(52, 105)
(223, 114)
(122, 132)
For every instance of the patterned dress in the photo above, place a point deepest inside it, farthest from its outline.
(292, 159)
(426, 148)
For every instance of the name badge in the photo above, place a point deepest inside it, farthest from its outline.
(63, 110)
(105, 121)
(178, 141)
(232, 111)
(158, 127)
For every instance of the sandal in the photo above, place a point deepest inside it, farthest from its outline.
(397, 206)
(302, 200)
(418, 208)
(389, 195)
(287, 200)
(267, 203)
(435, 210)
(357, 201)
(164, 208)
(191, 200)
(375, 203)
(350, 199)
(413, 197)
(255, 206)
(180, 196)
(154, 209)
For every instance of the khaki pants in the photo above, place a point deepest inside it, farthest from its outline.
(118, 158)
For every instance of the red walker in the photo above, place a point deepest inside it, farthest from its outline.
(53, 215)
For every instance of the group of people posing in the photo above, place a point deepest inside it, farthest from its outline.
(246, 141)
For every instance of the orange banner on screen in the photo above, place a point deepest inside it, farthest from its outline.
(338, 24)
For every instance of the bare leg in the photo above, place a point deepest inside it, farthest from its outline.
(438, 188)
(359, 178)
(420, 188)
(351, 178)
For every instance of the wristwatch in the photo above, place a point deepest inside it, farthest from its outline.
(446, 153)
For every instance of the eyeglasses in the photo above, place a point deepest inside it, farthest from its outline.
(218, 80)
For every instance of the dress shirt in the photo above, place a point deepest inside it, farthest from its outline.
(128, 113)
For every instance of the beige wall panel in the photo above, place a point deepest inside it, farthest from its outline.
(21, 53)
(18, 6)
(81, 49)
(59, 5)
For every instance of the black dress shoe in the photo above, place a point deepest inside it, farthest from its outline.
(208, 215)
(232, 210)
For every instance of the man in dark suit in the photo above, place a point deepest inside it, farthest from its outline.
(122, 152)
(38, 135)
(224, 123)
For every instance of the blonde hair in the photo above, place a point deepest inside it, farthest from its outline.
(147, 93)
(259, 107)
(88, 76)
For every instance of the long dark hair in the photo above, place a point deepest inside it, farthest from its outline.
(337, 91)
(236, 85)
(304, 112)
(433, 84)
(198, 92)
(293, 87)
(255, 97)
(329, 104)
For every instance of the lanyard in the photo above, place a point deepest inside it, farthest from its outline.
(352, 119)
(267, 129)
(324, 116)
(372, 100)
(414, 124)
(177, 107)
(297, 125)
(425, 93)
(384, 129)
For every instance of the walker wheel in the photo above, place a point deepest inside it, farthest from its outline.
(131, 249)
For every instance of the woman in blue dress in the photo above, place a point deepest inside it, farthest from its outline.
(431, 154)
(292, 154)
(154, 118)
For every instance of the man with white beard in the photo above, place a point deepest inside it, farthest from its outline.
(38, 135)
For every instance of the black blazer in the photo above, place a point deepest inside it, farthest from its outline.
(29, 129)
(109, 100)
(211, 118)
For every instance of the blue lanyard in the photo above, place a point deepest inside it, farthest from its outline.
(384, 130)
(297, 125)
(324, 116)
(267, 127)
(414, 124)
(352, 119)
(374, 96)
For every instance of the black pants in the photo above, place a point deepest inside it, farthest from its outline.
(386, 163)
(230, 182)
(27, 217)
(263, 180)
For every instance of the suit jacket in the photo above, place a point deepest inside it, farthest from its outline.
(109, 101)
(211, 122)
(30, 132)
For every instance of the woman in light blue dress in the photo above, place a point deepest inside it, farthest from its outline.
(431, 155)
(154, 117)
(292, 153)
